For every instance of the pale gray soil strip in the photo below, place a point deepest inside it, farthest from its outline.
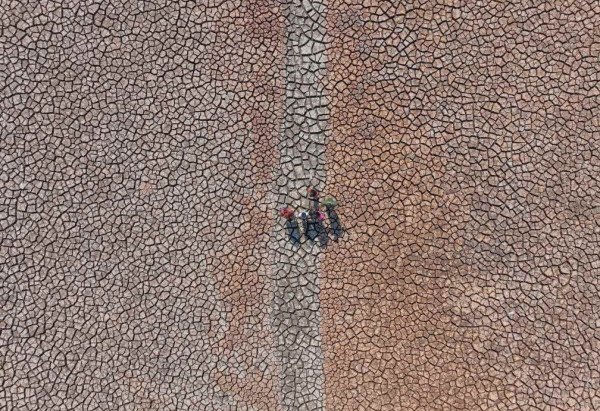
(296, 312)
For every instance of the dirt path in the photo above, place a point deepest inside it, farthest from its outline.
(296, 310)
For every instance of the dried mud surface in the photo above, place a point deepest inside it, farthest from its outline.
(144, 150)
(465, 138)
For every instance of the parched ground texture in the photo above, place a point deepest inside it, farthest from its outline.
(145, 147)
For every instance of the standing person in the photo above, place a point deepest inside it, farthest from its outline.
(316, 217)
(313, 195)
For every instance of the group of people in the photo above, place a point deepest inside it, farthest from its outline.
(312, 221)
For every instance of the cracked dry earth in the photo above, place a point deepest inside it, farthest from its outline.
(145, 147)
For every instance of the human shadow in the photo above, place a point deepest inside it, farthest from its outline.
(293, 230)
(313, 228)
(336, 229)
(322, 234)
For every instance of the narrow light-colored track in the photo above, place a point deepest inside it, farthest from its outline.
(296, 307)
